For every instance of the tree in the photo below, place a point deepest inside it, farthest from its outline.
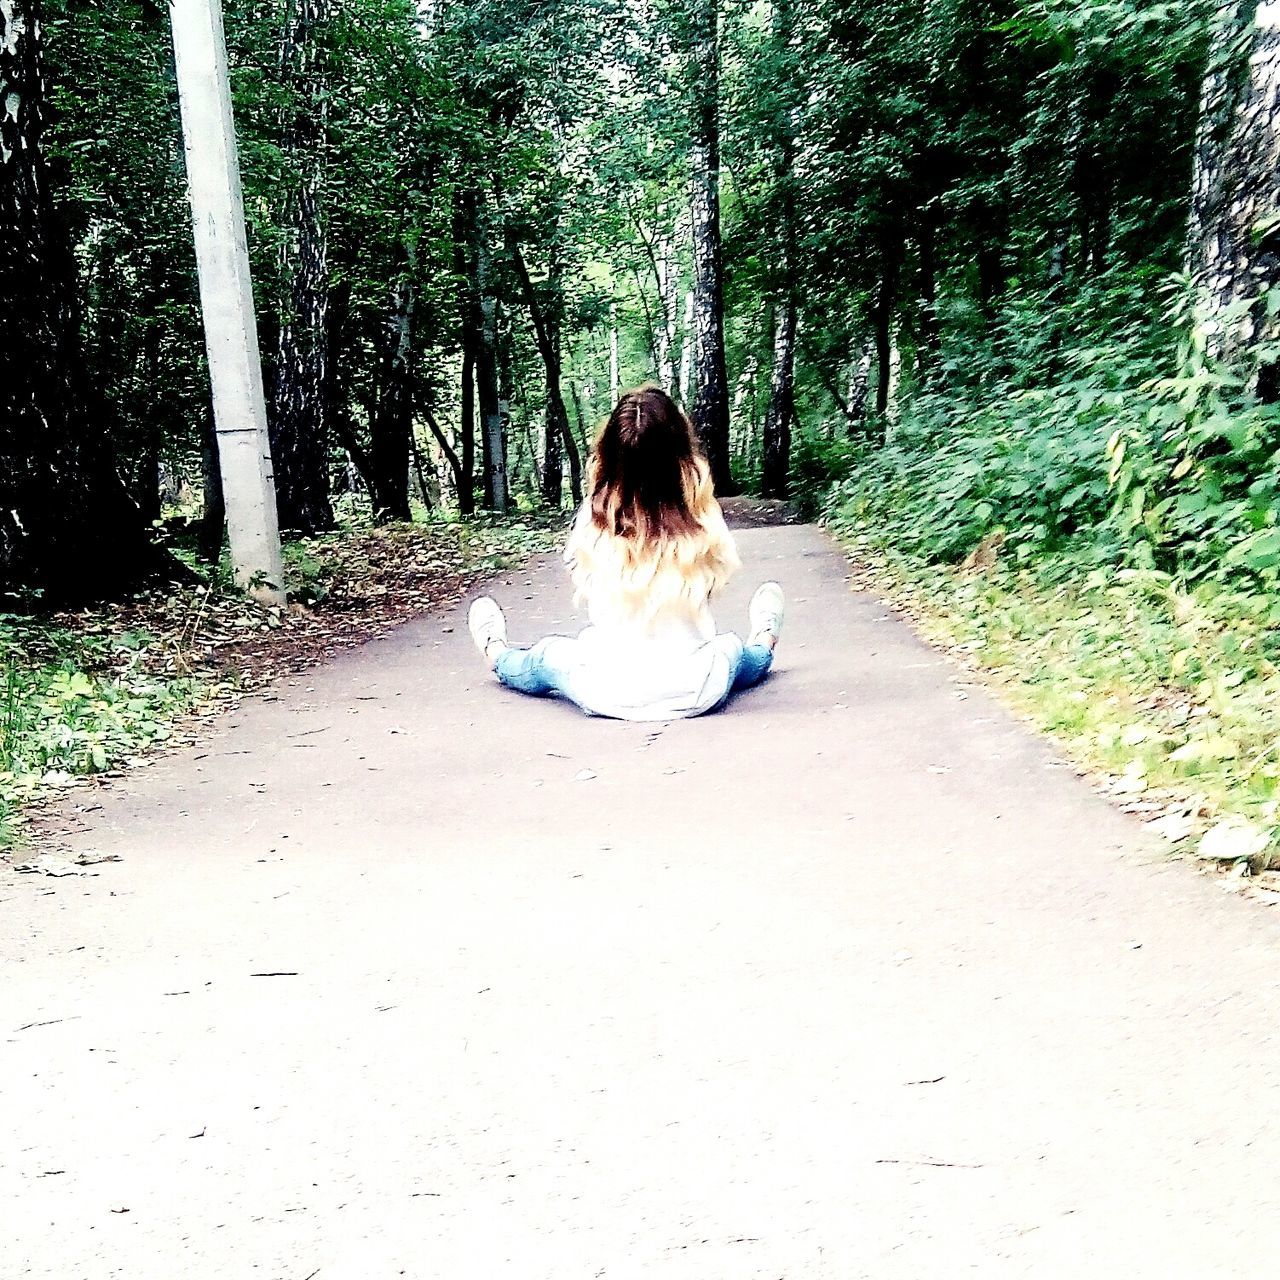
(1234, 225)
(711, 378)
(299, 438)
(67, 526)
(779, 415)
(480, 342)
(391, 430)
(546, 313)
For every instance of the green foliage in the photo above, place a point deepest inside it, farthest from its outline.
(85, 694)
(1173, 692)
(1017, 441)
(817, 461)
(74, 703)
(1197, 480)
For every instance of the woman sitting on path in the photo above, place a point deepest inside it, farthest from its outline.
(648, 549)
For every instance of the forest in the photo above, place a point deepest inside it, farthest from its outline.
(985, 283)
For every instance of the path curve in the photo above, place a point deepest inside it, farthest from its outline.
(852, 980)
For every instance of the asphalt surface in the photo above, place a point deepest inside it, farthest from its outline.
(402, 974)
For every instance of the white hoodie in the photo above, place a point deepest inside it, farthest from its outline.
(651, 651)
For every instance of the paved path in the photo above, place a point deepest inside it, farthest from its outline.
(849, 981)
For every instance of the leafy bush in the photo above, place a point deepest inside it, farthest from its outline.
(1133, 603)
(1031, 466)
(817, 461)
(1197, 481)
(1088, 444)
(74, 704)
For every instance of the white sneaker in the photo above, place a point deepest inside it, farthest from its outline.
(487, 626)
(765, 614)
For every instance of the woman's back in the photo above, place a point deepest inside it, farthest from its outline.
(648, 550)
(652, 594)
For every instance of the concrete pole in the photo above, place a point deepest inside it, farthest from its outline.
(226, 297)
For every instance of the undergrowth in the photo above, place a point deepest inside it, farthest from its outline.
(1096, 525)
(73, 703)
(88, 693)
(1174, 694)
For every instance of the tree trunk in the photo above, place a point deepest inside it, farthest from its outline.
(67, 526)
(213, 517)
(744, 395)
(1226, 78)
(613, 354)
(882, 323)
(299, 436)
(481, 324)
(929, 342)
(686, 350)
(545, 313)
(991, 274)
(151, 416)
(711, 399)
(557, 427)
(391, 430)
(337, 408)
(501, 442)
(668, 278)
(778, 418)
(467, 470)
(147, 483)
(859, 386)
(450, 453)
(571, 447)
(780, 411)
(420, 471)
(1235, 209)
(851, 402)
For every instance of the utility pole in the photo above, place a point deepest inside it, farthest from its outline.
(226, 297)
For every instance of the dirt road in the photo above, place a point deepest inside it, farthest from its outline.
(404, 975)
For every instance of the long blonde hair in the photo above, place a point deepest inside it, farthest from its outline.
(651, 534)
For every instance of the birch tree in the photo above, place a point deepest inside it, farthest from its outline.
(780, 413)
(711, 379)
(1234, 226)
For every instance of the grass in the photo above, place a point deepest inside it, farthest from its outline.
(1170, 694)
(75, 703)
(89, 693)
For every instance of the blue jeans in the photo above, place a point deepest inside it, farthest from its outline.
(537, 671)
(753, 665)
(533, 670)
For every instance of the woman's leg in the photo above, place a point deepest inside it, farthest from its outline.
(753, 666)
(538, 670)
(756, 656)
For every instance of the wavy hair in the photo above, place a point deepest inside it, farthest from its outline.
(650, 534)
